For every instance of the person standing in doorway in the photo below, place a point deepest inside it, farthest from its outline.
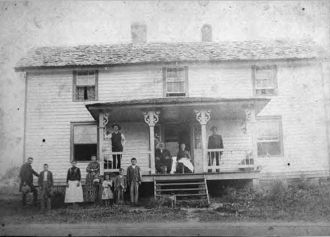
(26, 175)
(215, 142)
(117, 144)
(46, 184)
(134, 179)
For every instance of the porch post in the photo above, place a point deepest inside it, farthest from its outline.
(103, 121)
(252, 129)
(151, 118)
(203, 116)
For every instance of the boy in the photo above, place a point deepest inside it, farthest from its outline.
(134, 179)
(120, 185)
(45, 183)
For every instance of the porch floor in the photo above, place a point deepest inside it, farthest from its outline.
(208, 176)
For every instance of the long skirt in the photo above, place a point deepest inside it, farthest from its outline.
(73, 193)
(91, 188)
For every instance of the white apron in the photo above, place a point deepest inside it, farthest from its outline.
(73, 193)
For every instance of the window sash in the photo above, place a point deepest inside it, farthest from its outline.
(85, 134)
(265, 79)
(175, 80)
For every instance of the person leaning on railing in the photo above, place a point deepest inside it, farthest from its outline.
(215, 142)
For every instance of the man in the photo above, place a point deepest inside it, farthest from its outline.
(26, 175)
(134, 180)
(46, 184)
(117, 142)
(215, 142)
(163, 159)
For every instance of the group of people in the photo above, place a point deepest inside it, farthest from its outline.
(183, 163)
(113, 188)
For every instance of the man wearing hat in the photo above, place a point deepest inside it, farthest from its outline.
(117, 142)
(215, 142)
(26, 175)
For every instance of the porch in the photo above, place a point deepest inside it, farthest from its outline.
(182, 120)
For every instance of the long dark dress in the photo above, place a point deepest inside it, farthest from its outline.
(91, 190)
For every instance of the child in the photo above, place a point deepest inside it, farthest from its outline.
(45, 183)
(107, 195)
(120, 187)
(134, 180)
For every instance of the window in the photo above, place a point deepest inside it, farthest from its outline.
(269, 138)
(84, 141)
(175, 81)
(85, 85)
(206, 33)
(265, 80)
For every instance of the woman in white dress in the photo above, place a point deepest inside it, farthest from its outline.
(73, 192)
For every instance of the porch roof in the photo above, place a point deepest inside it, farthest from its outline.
(177, 108)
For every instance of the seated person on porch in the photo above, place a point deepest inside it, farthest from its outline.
(215, 142)
(163, 159)
(184, 164)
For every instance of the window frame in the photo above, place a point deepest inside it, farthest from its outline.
(271, 118)
(74, 85)
(275, 79)
(72, 125)
(185, 81)
(204, 36)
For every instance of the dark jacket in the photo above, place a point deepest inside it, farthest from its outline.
(133, 174)
(164, 157)
(215, 142)
(73, 174)
(26, 174)
(50, 182)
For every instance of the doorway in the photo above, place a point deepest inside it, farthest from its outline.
(175, 134)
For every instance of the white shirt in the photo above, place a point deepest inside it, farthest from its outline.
(45, 175)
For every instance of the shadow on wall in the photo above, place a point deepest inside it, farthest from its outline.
(9, 182)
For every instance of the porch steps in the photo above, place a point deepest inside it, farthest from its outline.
(184, 189)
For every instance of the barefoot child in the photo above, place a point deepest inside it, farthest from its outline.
(120, 187)
(107, 194)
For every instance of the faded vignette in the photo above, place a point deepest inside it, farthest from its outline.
(257, 71)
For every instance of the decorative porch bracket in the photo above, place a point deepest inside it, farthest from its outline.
(203, 116)
(151, 118)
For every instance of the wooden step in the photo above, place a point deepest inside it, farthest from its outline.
(185, 195)
(180, 189)
(173, 184)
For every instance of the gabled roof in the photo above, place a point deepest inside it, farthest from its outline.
(121, 54)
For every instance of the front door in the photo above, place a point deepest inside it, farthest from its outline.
(175, 134)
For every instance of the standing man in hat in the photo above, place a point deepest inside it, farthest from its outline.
(215, 142)
(26, 175)
(117, 142)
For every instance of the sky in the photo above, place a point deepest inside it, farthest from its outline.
(27, 24)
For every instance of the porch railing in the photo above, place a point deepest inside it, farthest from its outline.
(143, 160)
(225, 160)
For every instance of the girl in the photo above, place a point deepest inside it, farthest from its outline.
(107, 194)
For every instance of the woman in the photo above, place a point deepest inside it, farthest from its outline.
(92, 180)
(184, 161)
(73, 192)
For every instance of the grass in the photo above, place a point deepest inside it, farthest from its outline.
(301, 201)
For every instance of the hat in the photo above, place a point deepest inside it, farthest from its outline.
(116, 124)
(213, 127)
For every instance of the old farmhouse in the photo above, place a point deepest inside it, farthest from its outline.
(265, 98)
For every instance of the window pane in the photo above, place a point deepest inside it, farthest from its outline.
(83, 152)
(268, 130)
(84, 134)
(85, 79)
(91, 93)
(175, 87)
(269, 148)
(80, 91)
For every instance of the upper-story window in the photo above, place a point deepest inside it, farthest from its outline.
(206, 33)
(269, 136)
(85, 85)
(265, 80)
(175, 81)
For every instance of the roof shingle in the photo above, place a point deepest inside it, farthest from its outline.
(119, 54)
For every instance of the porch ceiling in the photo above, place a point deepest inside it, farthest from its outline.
(177, 109)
